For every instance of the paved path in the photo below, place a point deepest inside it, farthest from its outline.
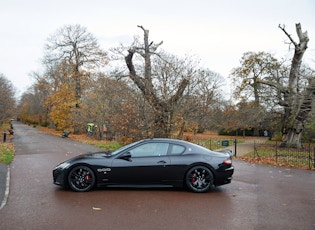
(259, 197)
(241, 149)
(32, 145)
(245, 147)
(4, 181)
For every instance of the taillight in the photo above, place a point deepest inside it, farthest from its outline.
(228, 161)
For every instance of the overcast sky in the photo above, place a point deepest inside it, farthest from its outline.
(218, 32)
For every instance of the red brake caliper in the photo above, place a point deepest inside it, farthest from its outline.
(193, 179)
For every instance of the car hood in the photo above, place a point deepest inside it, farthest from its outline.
(93, 155)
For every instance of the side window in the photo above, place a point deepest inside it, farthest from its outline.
(177, 149)
(150, 149)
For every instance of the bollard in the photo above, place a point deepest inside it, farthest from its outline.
(235, 144)
(4, 136)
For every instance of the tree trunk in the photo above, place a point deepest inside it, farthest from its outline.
(295, 111)
(181, 131)
(160, 107)
(161, 125)
(291, 137)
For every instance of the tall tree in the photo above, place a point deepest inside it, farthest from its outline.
(291, 88)
(297, 104)
(107, 107)
(78, 50)
(161, 106)
(245, 79)
(202, 96)
(7, 99)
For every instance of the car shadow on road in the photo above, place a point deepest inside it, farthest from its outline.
(214, 189)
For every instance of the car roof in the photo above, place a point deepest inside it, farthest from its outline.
(194, 147)
(174, 141)
(170, 140)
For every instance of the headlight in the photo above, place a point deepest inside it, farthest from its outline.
(62, 165)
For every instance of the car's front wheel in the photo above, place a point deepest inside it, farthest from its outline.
(81, 179)
(199, 179)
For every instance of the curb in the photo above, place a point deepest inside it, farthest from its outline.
(5, 179)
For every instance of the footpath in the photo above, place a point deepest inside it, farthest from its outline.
(4, 181)
(243, 148)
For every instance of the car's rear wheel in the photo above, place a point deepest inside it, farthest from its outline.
(199, 179)
(81, 179)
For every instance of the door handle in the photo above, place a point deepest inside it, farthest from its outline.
(162, 162)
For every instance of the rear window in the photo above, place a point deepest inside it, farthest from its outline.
(177, 149)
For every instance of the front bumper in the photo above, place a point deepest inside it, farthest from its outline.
(58, 177)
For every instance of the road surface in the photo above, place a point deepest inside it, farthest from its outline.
(259, 197)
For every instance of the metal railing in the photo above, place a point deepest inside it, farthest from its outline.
(292, 157)
(268, 152)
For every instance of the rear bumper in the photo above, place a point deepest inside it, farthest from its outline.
(224, 177)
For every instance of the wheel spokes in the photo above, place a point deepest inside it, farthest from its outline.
(81, 178)
(199, 178)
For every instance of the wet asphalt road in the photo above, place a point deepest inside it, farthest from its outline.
(259, 197)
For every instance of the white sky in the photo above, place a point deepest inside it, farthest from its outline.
(216, 31)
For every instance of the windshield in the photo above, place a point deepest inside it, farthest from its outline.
(123, 148)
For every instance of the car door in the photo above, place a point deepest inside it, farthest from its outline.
(144, 164)
(178, 162)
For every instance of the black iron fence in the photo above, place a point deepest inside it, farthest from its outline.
(263, 151)
(292, 157)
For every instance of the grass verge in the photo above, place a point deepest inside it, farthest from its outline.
(6, 153)
(6, 148)
(83, 138)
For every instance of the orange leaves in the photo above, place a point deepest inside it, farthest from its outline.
(61, 103)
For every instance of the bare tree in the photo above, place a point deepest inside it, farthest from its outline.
(292, 88)
(297, 105)
(78, 51)
(161, 106)
(109, 108)
(201, 97)
(7, 100)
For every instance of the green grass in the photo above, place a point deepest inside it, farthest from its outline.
(6, 148)
(6, 153)
(284, 157)
(109, 146)
(215, 144)
(113, 145)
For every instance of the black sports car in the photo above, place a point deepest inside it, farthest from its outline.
(151, 162)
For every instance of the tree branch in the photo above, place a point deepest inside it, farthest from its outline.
(276, 85)
(288, 35)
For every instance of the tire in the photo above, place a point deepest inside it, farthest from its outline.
(81, 179)
(199, 179)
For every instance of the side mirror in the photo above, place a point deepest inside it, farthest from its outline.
(126, 156)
